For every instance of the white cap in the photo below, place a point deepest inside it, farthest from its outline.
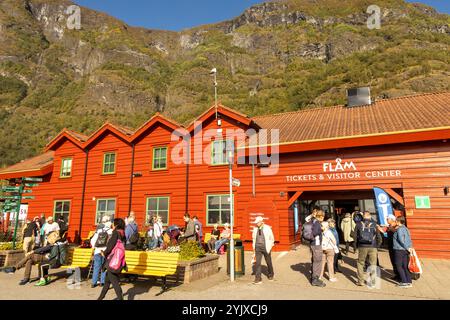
(106, 219)
(392, 217)
(259, 219)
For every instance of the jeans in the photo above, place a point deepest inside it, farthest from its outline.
(220, 243)
(98, 262)
(154, 243)
(401, 262)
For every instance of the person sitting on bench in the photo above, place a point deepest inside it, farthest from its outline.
(224, 238)
(44, 257)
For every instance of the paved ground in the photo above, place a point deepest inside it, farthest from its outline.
(290, 283)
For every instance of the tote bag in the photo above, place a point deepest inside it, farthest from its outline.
(414, 266)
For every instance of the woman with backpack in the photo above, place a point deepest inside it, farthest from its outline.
(115, 259)
(98, 242)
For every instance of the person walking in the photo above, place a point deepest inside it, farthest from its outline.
(337, 254)
(263, 242)
(215, 234)
(98, 242)
(115, 245)
(30, 232)
(402, 249)
(189, 229)
(348, 229)
(328, 248)
(366, 233)
(316, 218)
(157, 232)
(198, 230)
(390, 231)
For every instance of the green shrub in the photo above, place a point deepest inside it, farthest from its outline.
(190, 250)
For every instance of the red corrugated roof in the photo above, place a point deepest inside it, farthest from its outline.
(37, 164)
(418, 112)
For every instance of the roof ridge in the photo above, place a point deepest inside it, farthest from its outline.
(341, 105)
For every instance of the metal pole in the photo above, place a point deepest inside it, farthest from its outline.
(215, 92)
(19, 201)
(231, 220)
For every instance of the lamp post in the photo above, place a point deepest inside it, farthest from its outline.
(230, 160)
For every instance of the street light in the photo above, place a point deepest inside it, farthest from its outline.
(230, 161)
(214, 72)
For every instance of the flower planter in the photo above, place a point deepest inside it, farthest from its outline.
(189, 271)
(9, 258)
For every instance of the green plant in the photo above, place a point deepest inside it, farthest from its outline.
(190, 250)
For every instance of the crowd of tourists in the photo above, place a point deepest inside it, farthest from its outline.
(366, 236)
(45, 245)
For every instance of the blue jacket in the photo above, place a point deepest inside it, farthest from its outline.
(335, 234)
(402, 239)
(316, 231)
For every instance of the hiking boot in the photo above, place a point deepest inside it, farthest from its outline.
(9, 270)
(24, 282)
(318, 283)
(333, 280)
(41, 283)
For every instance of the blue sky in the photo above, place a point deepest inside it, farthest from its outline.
(181, 14)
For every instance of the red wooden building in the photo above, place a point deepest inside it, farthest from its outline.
(330, 157)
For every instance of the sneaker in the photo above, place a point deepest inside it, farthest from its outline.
(360, 284)
(333, 280)
(318, 283)
(49, 279)
(41, 283)
(270, 278)
(9, 270)
(404, 285)
(24, 282)
(93, 286)
(257, 282)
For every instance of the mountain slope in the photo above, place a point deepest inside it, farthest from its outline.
(277, 56)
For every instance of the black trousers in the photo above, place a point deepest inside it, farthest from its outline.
(402, 261)
(259, 253)
(111, 278)
(394, 267)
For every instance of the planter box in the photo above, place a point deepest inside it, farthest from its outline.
(189, 271)
(9, 258)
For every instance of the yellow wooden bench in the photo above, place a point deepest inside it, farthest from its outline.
(156, 264)
(236, 236)
(90, 235)
(78, 258)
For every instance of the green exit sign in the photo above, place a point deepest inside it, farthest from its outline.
(423, 202)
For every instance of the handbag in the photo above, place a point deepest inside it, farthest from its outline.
(414, 265)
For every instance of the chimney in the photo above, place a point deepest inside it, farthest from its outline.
(358, 97)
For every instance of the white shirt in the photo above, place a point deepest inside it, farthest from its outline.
(49, 228)
(95, 237)
(157, 227)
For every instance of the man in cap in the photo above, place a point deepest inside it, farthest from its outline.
(263, 241)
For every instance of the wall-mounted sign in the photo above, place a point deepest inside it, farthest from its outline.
(423, 202)
(343, 170)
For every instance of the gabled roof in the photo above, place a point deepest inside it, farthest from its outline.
(36, 166)
(243, 118)
(77, 138)
(157, 118)
(389, 116)
(120, 131)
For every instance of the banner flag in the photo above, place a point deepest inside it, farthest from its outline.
(384, 206)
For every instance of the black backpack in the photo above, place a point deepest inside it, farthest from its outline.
(134, 238)
(367, 233)
(102, 238)
(307, 230)
(58, 255)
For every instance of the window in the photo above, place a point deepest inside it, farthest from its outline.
(62, 208)
(218, 209)
(66, 168)
(159, 158)
(105, 207)
(219, 151)
(109, 163)
(158, 206)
